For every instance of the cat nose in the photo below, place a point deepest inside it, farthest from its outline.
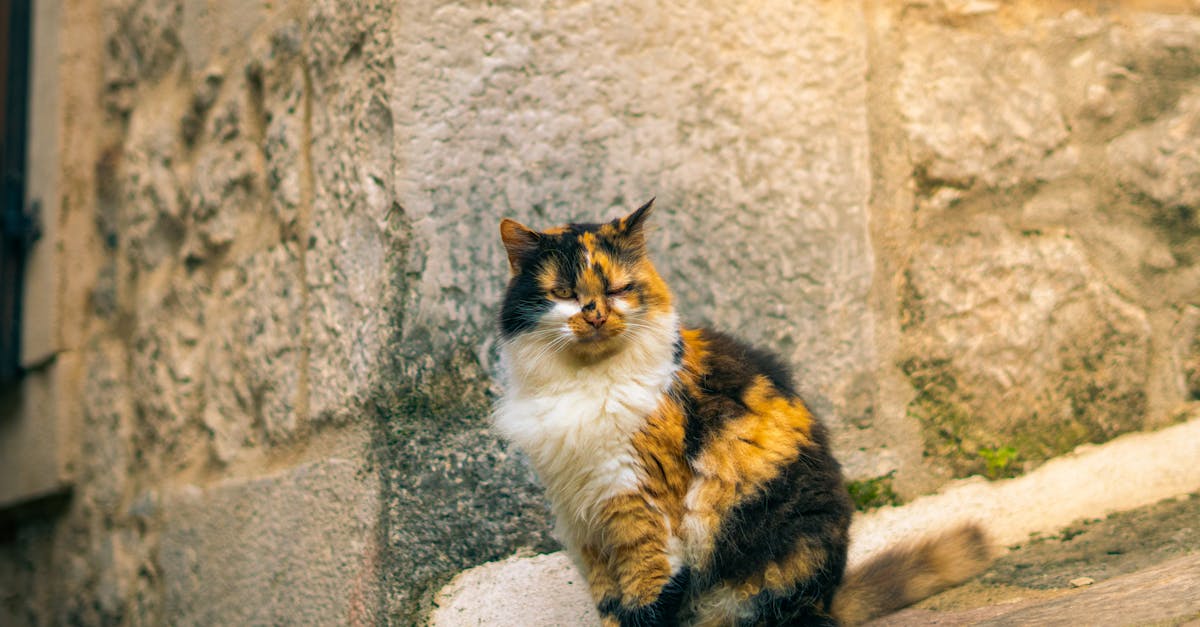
(594, 315)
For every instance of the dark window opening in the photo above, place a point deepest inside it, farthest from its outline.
(18, 228)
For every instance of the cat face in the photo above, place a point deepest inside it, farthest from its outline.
(584, 288)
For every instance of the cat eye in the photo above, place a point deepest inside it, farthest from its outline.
(617, 291)
(562, 293)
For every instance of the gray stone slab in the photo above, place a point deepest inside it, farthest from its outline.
(293, 548)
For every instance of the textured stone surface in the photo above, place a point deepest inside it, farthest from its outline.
(213, 29)
(496, 593)
(352, 243)
(1162, 160)
(167, 373)
(254, 325)
(1101, 548)
(105, 452)
(1188, 347)
(1084, 122)
(295, 547)
(277, 69)
(259, 265)
(449, 500)
(1014, 341)
(143, 43)
(977, 109)
(23, 587)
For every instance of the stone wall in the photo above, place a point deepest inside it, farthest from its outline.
(971, 227)
(1045, 279)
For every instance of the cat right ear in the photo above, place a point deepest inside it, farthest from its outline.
(520, 242)
(631, 227)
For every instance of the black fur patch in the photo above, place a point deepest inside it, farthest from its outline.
(524, 304)
(792, 609)
(663, 612)
(619, 251)
(730, 368)
(734, 364)
(806, 501)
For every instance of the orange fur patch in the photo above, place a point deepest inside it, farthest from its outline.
(744, 454)
(635, 539)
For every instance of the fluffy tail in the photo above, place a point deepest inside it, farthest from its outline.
(905, 574)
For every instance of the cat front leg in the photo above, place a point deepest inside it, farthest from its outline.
(630, 574)
(601, 584)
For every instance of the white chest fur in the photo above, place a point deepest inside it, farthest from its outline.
(577, 422)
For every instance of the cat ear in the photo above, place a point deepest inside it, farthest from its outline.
(631, 225)
(520, 242)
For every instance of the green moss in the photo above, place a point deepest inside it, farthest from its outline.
(969, 443)
(999, 462)
(871, 493)
(911, 311)
(960, 439)
(950, 428)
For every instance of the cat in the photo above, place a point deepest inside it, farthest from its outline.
(688, 480)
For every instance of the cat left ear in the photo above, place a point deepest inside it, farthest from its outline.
(520, 242)
(632, 224)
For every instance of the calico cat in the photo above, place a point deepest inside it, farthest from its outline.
(689, 481)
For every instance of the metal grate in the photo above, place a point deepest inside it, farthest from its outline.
(18, 227)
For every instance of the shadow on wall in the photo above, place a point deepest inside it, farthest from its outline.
(451, 494)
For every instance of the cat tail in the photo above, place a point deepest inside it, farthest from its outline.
(907, 573)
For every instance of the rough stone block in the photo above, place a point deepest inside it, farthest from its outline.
(105, 456)
(980, 108)
(354, 266)
(1187, 351)
(295, 547)
(1014, 340)
(1167, 44)
(278, 68)
(224, 199)
(152, 216)
(211, 29)
(255, 354)
(497, 592)
(167, 367)
(451, 498)
(1161, 161)
(142, 40)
